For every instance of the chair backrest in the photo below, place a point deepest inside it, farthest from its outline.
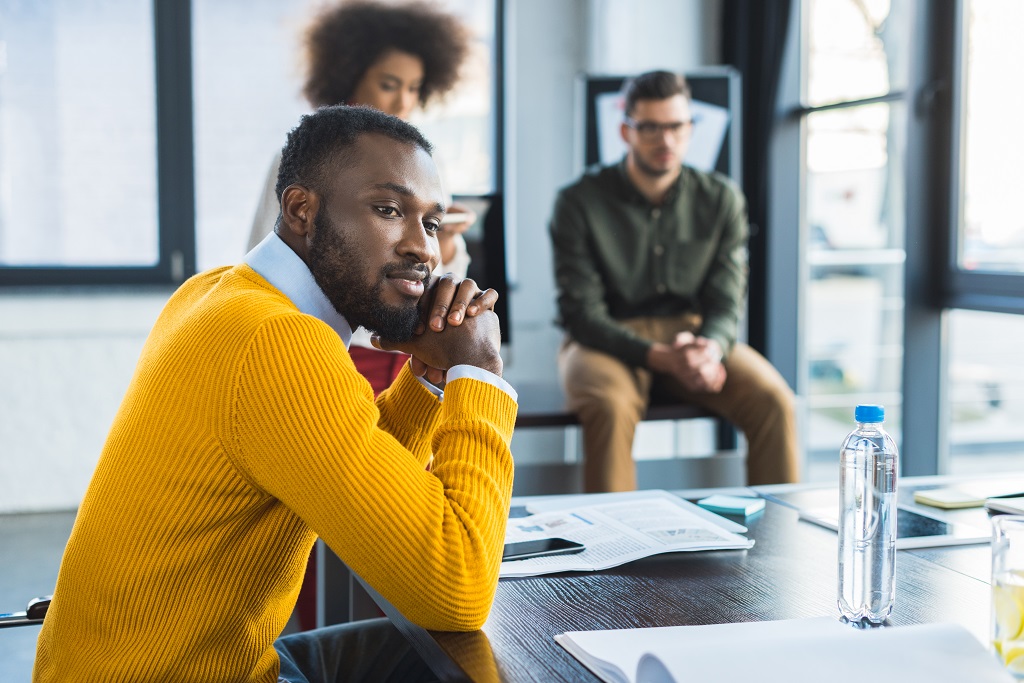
(33, 614)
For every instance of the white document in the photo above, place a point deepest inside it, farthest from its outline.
(791, 651)
(620, 528)
(710, 124)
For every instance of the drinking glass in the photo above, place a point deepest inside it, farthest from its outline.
(1008, 592)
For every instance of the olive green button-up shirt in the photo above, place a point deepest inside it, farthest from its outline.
(617, 256)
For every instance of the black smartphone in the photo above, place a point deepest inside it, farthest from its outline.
(541, 548)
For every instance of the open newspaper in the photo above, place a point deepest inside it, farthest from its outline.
(792, 651)
(619, 528)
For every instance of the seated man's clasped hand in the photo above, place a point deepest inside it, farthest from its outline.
(459, 327)
(695, 362)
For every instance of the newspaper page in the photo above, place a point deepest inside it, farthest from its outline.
(616, 531)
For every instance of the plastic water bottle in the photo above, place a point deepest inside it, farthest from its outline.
(869, 462)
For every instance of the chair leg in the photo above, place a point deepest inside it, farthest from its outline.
(725, 435)
(33, 614)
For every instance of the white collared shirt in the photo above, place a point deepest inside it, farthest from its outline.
(284, 270)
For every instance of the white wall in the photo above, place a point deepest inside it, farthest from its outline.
(66, 357)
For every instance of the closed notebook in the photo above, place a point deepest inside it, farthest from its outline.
(967, 495)
(732, 505)
(1009, 506)
(949, 499)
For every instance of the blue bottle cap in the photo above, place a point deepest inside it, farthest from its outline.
(869, 413)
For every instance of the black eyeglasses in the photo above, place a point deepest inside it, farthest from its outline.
(651, 130)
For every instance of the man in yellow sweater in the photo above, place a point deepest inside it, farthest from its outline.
(247, 432)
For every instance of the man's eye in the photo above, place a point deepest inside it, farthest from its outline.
(387, 210)
(432, 226)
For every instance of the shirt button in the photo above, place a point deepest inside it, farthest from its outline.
(659, 250)
(655, 213)
(660, 289)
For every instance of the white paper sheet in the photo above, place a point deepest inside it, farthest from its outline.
(790, 651)
(620, 528)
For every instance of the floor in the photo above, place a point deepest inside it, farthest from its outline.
(32, 547)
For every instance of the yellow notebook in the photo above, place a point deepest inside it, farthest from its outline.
(949, 499)
(966, 496)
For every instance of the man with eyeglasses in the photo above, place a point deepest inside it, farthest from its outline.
(651, 269)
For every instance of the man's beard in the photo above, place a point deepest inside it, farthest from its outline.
(335, 267)
(649, 170)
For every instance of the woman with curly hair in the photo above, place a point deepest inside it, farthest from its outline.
(392, 57)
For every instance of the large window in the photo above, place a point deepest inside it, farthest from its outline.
(247, 97)
(991, 226)
(77, 134)
(100, 102)
(911, 243)
(852, 322)
(986, 392)
(462, 127)
(985, 369)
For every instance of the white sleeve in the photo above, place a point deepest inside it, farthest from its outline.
(459, 265)
(457, 371)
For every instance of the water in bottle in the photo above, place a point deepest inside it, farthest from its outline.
(867, 519)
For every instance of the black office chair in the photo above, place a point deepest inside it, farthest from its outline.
(33, 614)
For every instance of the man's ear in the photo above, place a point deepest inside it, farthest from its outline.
(624, 132)
(299, 206)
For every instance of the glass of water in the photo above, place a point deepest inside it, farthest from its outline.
(1008, 592)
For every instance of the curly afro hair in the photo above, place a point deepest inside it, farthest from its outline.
(345, 40)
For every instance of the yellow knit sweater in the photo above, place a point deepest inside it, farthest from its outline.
(247, 432)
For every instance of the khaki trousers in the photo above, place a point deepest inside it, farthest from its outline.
(610, 398)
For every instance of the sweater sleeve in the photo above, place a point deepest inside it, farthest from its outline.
(410, 413)
(306, 431)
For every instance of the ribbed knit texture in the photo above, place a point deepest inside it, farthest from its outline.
(245, 433)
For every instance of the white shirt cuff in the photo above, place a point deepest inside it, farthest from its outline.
(431, 388)
(457, 371)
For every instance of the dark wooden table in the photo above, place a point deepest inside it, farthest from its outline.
(789, 573)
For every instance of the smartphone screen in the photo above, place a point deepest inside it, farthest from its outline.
(540, 548)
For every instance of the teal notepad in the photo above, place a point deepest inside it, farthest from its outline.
(732, 505)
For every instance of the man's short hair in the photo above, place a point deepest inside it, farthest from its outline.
(322, 142)
(655, 85)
